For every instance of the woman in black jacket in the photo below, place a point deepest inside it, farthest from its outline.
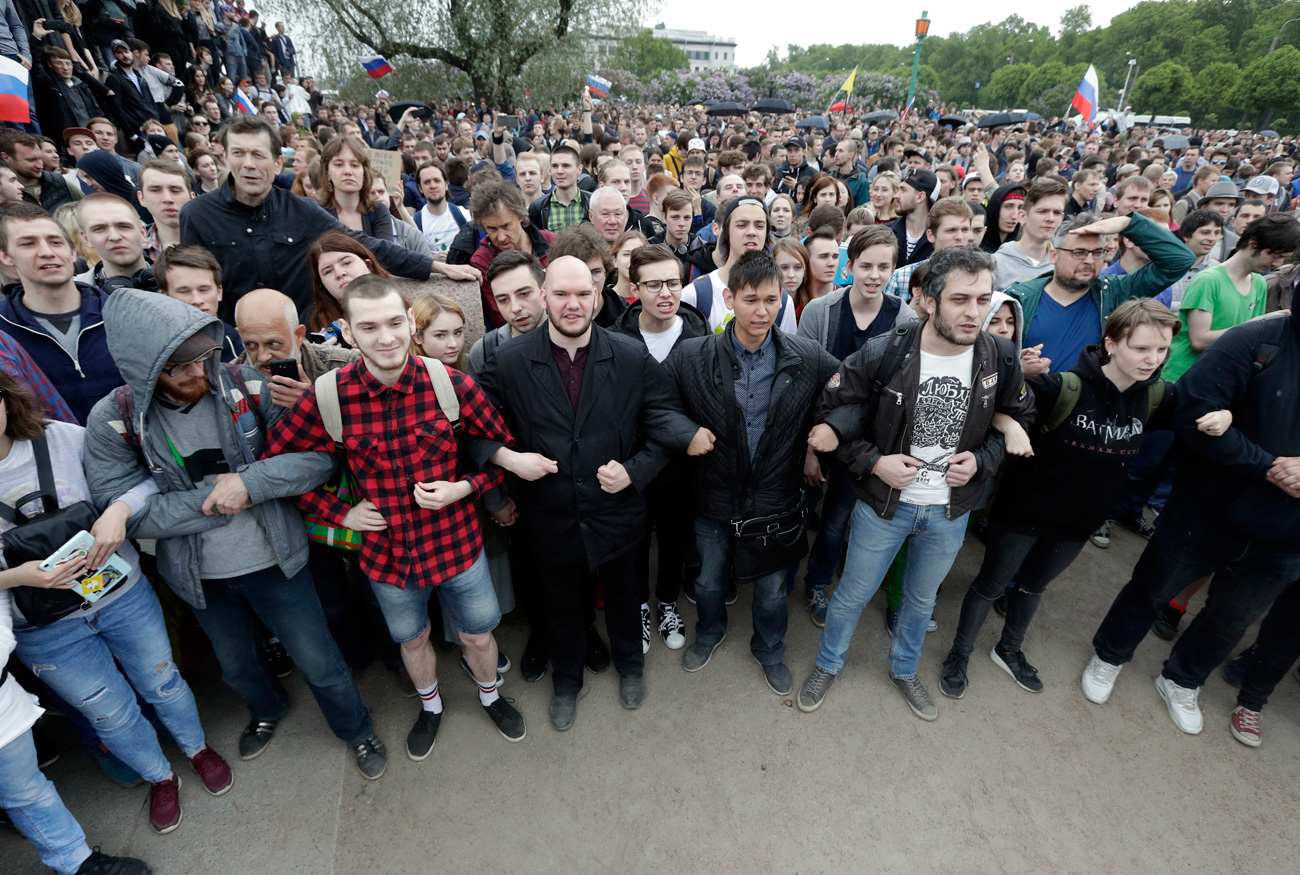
(1065, 485)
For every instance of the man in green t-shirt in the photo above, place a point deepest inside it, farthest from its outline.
(1228, 294)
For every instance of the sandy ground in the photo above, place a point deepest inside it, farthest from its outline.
(717, 774)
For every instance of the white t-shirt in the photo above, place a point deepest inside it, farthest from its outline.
(719, 315)
(661, 343)
(942, 397)
(439, 230)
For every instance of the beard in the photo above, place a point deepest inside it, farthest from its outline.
(186, 390)
(436, 203)
(944, 329)
(1072, 284)
(558, 325)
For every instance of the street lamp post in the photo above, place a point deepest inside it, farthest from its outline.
(922, 28)
(1279, 34)
(1123, 92)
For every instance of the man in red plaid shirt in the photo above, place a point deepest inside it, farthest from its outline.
(422, 530)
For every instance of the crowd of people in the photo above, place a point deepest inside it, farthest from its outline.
(226, 371)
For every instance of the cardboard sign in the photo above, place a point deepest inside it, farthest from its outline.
(389, 166)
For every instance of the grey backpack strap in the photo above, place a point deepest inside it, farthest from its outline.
(327, 399)
(443, 388)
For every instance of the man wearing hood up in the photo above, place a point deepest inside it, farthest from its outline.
(230, 542)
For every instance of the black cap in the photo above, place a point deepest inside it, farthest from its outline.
(796, 143)
(924, 181)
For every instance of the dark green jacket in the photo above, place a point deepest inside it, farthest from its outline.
(1170, 259)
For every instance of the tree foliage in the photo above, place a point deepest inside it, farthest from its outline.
(646, 55)
(1270, 84)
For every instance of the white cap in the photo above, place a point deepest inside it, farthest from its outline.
(694, 144)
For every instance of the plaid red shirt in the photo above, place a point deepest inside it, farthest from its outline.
(395, 437)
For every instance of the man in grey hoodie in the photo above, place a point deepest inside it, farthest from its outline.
(229, 541)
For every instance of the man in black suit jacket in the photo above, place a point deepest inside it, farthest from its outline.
(597, 416)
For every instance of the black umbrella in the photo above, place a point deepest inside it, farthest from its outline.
(773, 104)
(956, 121)
(998, 119)
(815, 121)
(422, 110)
(880, 115)
(728, 107)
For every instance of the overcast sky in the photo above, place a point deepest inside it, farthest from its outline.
(758, 26)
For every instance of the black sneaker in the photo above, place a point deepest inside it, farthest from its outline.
(532, 667)
(257, 735)
(731, 593)
(1166, 625)
(510, 723)
(277, 658)
(1000, 604)
(1139, 526)
(47, 752)
(952, 680)
(419, 741)
(597, 653)
(1018, 667)
(1235, 671)
(503, 662)
(465, 665)
(372, 758)
(99, 863)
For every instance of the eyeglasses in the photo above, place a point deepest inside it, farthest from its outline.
(171, 369)
(200, 122)
(654, 287)
(1085, 254)
(1218, 160)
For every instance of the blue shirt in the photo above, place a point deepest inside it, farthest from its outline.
(1064, 331)
(754, 387)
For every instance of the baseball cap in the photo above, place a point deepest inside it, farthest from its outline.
(969, 178)
(481, 135)
(118, 42)
(924, 181)
(873, 130)
(1263, 185)
(69, 133)
(917, 150)
(795, 143)
(964, 141)
(694, 144)
(193, 348)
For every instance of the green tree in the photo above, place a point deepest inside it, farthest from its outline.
(1002, 91)
(1163, 90)
(493, 43)
(1076, 20)
(646, 54)
(1270, 84)
(1212, 91)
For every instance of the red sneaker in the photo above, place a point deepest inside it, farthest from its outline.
(165, 805)
(213, 770)
(1245, 726)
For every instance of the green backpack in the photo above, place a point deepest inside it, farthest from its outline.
(1072, 386)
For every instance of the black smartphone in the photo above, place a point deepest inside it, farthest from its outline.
(285, 368)
(510, 122)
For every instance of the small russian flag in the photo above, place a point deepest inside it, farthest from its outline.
(13, 92)
(599, 86)
(1085, 99)
(377, 67)
(244, 104)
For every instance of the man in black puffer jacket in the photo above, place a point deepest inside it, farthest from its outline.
(754, 389)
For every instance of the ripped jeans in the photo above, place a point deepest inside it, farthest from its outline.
(75, 656)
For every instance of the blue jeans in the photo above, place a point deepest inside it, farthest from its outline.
(468, 597)
(837, 509)
(75, 656)
(933, 543)
(236, 67)
(34, 806)
(770, 601)
(291, 609)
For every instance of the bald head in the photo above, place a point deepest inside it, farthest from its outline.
(267, 321)
(570, 297)
(567, 272)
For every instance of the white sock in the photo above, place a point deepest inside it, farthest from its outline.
(430, 698)
(487, 693)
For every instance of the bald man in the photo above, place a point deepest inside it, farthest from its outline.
(267, 322)
(597, 415)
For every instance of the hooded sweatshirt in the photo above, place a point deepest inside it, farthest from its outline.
(1000, 298)
(1011, 265)
(993, 238)
(1078, 471)
(144, 329)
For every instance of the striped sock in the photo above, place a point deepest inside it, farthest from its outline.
(431, 699)
(487, 693)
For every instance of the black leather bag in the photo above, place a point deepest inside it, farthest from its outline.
(39, 537)
(770, 543)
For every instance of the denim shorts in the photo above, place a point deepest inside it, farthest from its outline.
(468, 597)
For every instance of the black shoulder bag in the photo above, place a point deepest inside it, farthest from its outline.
(39, 537)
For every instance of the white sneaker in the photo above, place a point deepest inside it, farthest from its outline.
(645, 630)
(1183, 707)
(1099, 680)
(671, 626)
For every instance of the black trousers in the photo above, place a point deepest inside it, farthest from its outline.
(567, 589)
(1276, 650)
(667, 499)
(355, 621)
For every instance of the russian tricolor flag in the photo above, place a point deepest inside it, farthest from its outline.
(244, 104)
(13, 92)
(377, 67)
(599, 86)
(1085, 99)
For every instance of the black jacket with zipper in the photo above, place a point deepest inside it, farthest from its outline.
(727, 486)
(870, 427)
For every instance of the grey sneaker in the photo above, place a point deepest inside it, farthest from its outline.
(698, 655)
(631, 691)
(372, 758)
(815, 688)
(778, 677)
(917, 698)
(564, 708)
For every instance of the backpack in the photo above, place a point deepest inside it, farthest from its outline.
(1072, 386)
(704, 299)
(456, 213)
(1270, 344)
(125, 399)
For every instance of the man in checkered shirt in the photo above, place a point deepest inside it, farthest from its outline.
(421, 529)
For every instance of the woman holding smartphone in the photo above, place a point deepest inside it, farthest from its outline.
(78, 655)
